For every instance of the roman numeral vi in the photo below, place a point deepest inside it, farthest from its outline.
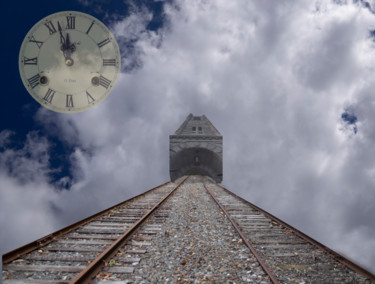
(69, 101)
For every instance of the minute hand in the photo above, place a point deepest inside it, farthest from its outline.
(62, 38)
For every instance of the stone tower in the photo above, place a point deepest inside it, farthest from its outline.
(196, 148)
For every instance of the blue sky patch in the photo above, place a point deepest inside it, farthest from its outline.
(351, 120)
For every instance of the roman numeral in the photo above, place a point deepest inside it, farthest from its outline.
(104, 42)
(90, 99)
(109, 62)
(33, 81)
(37, 42)
(51, 27)
(69, 101)
(103, 81)
(88, 30)
(70, 22)
(48, 97)
(30, 61)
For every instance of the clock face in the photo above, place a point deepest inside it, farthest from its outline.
(69, 62)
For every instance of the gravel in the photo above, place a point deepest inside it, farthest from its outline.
(196, 244)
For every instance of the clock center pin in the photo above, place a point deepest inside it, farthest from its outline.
(69, 62)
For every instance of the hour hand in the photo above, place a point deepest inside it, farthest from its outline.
(67, 49)
(69, 46)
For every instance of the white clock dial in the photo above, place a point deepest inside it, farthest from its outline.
(69, 62)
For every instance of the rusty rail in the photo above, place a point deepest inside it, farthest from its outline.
(245, 240)
(14, 254)
(94, 267)
(308, 239)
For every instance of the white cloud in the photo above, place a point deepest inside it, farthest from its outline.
(29, 163)
(25, 195)
(274, 80)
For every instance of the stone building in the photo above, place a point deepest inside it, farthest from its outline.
(196, 148)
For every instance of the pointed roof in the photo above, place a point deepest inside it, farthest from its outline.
(202, 126)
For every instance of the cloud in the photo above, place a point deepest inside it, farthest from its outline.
(27, 164)
(25, 195)
(275, 80)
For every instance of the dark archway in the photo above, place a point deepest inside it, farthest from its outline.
(196, 161)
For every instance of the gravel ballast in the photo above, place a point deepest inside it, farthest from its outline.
(196, 244)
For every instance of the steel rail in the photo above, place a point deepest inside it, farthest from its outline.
(245, 240)
(94, 267)
(14, 254)
(308, 239)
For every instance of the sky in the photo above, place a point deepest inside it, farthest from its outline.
(289, 84)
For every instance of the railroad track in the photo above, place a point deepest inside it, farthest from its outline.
(192, 230)
(285, 253)
(78, 253)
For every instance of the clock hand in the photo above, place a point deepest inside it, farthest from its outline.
(68, 51)
(62, 39)
(67, 41)
(70, 46)
(65, 46)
